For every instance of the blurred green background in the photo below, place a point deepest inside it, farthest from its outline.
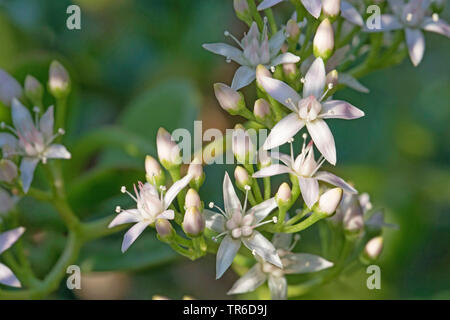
(138, 65)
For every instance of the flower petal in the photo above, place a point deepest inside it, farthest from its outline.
(132, 234)
(10, 88)
(351, 82)
(57, 151)
(334, 180)
(281, 92)
(278, 287)
(397, 6)
(126, 216)
(349, 13)
(6, 201)
(214, 221)
(276, 42)
(226, 50)
(267, 4)
(27, 167)
(439, 26)
(285, 129)
(21, 117)
(7, 277)
(337, 57)
(167, 214)
(46, 124)
(323, 139)
(314, 7)
(338, 109)
(8, 238)
(258, 244)
(388, 22)
(282, 240)
(243, 77)
(286, 159)
(230, 199)
(271, 170)
(262, 210)
(416, 45)
(249, 281)
(310, 190)
(285, 58)
(305, 263)
(315, 80)
(225, 255)
(175, 189)
(7, 139)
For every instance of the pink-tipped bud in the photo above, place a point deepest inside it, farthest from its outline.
(242, 177)
(164, 228)
(261, 110)
(194, 222)
(196, 171)
(168, 151)
(58, 80)
(284, 194)
(292, 30)
(290, 70)
(153, 171)
(329, 201)
(10, 88)
(8, 170)
(331, 8)
(192, 199)
(264, 160)
(241, 8)
(243, 148)
(229, 99)
(373, 248)
(34, 90)
(323, 43)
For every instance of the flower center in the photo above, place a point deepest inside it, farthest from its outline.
(309, 108)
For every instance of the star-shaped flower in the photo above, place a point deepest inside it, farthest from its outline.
(32, 140)
(310, 111)
(7, 239)
(151, 206)
(238, 226)
(255, 49)
(412, 17)
(293, 263)
(307, 171)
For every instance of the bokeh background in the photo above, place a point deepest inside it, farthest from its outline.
(138, 65)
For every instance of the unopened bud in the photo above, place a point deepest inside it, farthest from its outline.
(194, 222)
(34, 90)
(10, 88)
(164, 228)
(293, 30)
(168, 151)
(242, 10)
(242, 146)
(262, 71)
(153, 172)
(290, 70)
(196, 171)
(264, 160)
(323, 43)
(229, 99)
(242, 177)
(261, 110)
(332, 79)
(284, 194)
(353, 215)
(331, 8)
(58, 80)
(373, 248)
(8, 170)
(192, 199)
(329, 201)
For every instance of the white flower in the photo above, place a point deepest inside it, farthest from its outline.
(255, 49)
(151, 206)
(307, 171)
(33, 140)
(7, 239)
(412, 18)
(6, 201)
(309, 111)
(314, 7)
(9, 88)
(238, 226)
(293, 263)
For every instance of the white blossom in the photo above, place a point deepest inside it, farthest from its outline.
(7, 239)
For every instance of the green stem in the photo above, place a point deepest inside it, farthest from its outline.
(267, 188)
(255, 14)
(272, 22)
(313, 218)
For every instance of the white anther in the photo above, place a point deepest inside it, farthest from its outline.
(302, 80)
(123, 189)
(118, 209)
(61, 131)
(409, 17)
(435, 17)
(211, 205)
(275, 219)
(36, 109)
(247, 187)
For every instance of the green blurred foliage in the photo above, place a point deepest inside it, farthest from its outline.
(138, 65)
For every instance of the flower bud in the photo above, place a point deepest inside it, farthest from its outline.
(332, 79)
(323, 43)
(261, 110)
(284, 194)
(58, 80)
(168, 151)
(262, 71)
(192, 199)
(242, 146)
(10, 88)
(153, 172)
(329, 201)
(8, 170)
(264, 160)
(242, 11)
(196, 171)
(34, 90)
(353, 215)
(164, 228)
(229, 99)
(242, 177)
(331, 8)
(373, 248)
(290, 70)
(194, 222)
(292, 30)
